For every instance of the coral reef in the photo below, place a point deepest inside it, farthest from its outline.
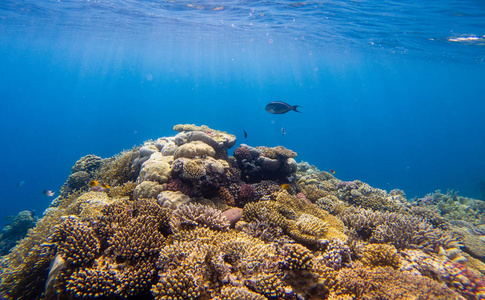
(178, 218)
(16, 230)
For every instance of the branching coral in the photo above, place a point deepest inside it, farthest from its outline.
(285, 213)
(76, 242)
(402, 231)
(361, 194)
(386, 283)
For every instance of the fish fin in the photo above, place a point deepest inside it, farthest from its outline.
(294, 107)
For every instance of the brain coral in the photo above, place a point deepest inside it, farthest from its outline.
(215, 138)
(172, 199)
(157, 169)
(193, 149)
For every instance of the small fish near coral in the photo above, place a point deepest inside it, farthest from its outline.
(285, 186)
(245, 133)
(278, 107)
(332, 171)
(95, 186)
(48, 193)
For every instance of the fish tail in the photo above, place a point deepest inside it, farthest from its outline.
(294, 107)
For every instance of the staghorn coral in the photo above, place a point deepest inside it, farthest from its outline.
(381, 255)
(189, 216)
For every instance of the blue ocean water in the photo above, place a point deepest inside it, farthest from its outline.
(392, 92)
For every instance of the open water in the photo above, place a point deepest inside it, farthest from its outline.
(393, 92)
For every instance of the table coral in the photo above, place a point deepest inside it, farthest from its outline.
(284, 213)
(189, 216)
(402, 231)
(381, 255)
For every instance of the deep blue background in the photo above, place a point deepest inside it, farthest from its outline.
(413, 122)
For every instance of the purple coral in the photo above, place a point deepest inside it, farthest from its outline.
(246, 194)
(242, 153)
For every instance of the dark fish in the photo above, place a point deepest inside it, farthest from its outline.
(332, 171)
(279, 107)
(48, 193)
(245, 133)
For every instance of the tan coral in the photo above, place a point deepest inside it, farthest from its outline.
(148, 189)
(76, 242)
(381, 255)
(278, 152)
(215, 138)
(284, 213)
(157, 168)
(172, 199)
(193, 149)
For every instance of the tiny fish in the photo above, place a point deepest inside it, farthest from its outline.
(245, 133)
(279, 107)
(283, 131)
(105, 186)
(48, 193)
(332, 171)
(20, 183)
(93, 183)
(285, 186)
